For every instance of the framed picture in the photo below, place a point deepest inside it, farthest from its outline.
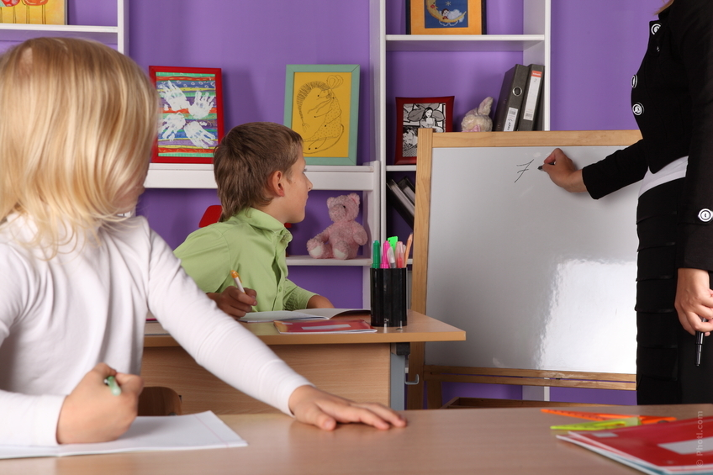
(414, 113)
(192, 118)
(322, 105)
(34, 12)
(445, 17)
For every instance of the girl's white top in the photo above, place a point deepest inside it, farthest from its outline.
(62, 316)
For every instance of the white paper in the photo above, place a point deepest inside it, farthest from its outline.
(188, 432)
(286, 315)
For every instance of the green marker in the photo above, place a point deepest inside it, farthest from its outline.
(376, 255)
(113, 385)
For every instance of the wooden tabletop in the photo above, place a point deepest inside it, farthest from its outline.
(446, 441)
(420, 328)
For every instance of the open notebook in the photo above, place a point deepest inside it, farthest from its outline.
(189, 432)
(304, 314)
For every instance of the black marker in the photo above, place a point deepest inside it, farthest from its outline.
(699, 344)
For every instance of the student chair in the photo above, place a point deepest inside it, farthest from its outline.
(159, 401)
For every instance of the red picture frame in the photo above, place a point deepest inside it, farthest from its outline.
(192, 113)
(414, 113)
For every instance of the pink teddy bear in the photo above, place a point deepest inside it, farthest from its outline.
(342, 239)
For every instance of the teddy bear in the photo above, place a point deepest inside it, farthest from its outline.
(342, 239)
(478, 120)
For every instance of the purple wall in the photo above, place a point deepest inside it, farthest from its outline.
(596, 48)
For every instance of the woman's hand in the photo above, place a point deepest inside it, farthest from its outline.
(91, 413)
(694, 300)
(563, 172)
(314, 406)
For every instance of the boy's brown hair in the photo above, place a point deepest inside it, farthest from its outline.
(246, 158)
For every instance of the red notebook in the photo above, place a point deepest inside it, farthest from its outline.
(671, 447)
(324, 326)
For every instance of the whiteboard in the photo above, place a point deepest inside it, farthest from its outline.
(538, 277)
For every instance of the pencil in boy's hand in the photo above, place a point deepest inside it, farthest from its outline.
(236, 277)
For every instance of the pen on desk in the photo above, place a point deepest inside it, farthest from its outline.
(238, 284)
(113, 385)
(699, 344)
(385, 255)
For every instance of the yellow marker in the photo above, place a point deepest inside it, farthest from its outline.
(236, 277)
(600, 425)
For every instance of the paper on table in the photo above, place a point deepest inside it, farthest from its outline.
(304, 314)
(188, 432)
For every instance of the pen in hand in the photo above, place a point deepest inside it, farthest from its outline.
(699, 344)
(238, 284)
(113, 385)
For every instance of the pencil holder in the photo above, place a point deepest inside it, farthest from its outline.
(388, 297)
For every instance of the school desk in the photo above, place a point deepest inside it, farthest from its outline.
(360, 366)
(439, 441)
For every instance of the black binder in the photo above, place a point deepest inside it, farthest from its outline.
(531, 104)
(507, 111)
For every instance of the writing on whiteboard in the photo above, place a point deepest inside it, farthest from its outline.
(522, 168)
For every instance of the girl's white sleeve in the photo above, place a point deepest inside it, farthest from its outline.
(24, 419)
(214, 339)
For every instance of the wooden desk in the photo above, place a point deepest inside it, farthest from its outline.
(362, 366)
(447, 441)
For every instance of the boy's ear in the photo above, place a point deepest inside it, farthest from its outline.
(275, 184)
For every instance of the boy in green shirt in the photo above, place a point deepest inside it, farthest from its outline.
(260, 172)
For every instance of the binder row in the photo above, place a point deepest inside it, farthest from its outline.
(520, 99)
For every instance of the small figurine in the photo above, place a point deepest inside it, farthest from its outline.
(478, 120)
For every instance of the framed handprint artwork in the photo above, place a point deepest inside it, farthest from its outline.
(192, 113)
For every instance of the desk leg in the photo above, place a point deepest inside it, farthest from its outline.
(399, 357)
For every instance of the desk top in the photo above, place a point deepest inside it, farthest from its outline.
(452, 441)
(420, 328)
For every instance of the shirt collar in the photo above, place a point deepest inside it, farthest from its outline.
(261, 220)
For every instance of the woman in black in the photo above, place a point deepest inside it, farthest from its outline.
(672, 101)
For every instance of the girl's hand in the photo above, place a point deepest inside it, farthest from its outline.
(314, 406)
(91, 413)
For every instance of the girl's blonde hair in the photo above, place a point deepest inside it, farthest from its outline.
(77, 121)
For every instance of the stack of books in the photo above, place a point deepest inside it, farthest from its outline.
(402, 196)
(520, 99)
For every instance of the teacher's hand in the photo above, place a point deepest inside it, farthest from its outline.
(694, 300)
(563, 172)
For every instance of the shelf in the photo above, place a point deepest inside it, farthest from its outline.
(197, 176)
(401, 168)
(310, 261)
(476, 43)
(109, 35)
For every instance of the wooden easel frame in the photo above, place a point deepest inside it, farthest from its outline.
(427, 141)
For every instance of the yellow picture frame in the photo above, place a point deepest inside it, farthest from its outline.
(441, 17)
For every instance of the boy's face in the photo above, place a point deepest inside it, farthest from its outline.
(296, 190)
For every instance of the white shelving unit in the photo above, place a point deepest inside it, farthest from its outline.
(534, 43)
(111, 35)
(365, 178)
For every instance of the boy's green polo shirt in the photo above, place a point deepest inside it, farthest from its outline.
(253, 243)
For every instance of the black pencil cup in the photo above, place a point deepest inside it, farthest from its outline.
(388, 297)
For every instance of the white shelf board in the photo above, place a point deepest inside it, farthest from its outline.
(192, 175)
(20, 32)
(310, 261)
(476, 43)
(401, 168)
